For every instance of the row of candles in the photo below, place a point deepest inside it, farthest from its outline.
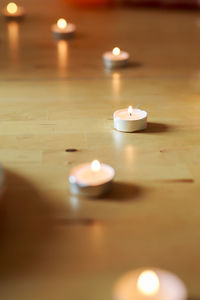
(63, 30)
(95, 179)
(143, 283)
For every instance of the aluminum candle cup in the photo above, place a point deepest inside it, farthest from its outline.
(63, 30)
(130, 120)
(2, 180)
(91, 179)
(152, 284)
(13, 12)
(116, 58)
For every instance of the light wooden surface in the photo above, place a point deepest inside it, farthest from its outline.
(55, 96)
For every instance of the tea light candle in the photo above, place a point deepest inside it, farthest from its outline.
(13, 11)
(130, 120)
(155, 284)
(91, 179)
(116, 58)
(63, 30)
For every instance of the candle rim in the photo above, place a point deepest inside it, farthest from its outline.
(143, 114)
(88, 165)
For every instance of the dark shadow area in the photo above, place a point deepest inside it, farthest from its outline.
(134, 64)
(74, 222)
(131, 64)
(153, 5)
(153, 127)
(26, 227)
(123, 192)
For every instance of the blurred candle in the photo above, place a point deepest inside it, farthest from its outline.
(13, 11)
(91, 179)
(116, 58)
(154, 284)
(63, 30)
(13, 39)
(62, 50)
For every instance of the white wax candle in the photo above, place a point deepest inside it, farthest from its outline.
(130, 120)
(91, 178)
(116, 58)
(63, 30)
(13, 11)
(154, 284)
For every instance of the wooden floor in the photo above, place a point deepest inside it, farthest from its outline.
(56, 96)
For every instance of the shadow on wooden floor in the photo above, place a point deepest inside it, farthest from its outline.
(124, 192)
(26, 227)
(153, 127)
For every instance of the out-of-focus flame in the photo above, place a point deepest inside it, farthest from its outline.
(95, 166)
(12, 8)
(62, 23)
(116, 51)
(148, 282)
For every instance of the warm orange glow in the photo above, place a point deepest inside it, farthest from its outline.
(13, 38)
(95, 166)
(130, 110)
(116, 51)
(116, 76)
(116, 84)
(62, 23)
(148, 282)
(62, 50)
(12, 8)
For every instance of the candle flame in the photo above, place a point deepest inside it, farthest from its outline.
(62, 23)
(95, 166)
(116, 51)
(148, 282)
(130, 111)
(12, 8)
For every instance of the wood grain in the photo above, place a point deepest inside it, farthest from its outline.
(58, 96)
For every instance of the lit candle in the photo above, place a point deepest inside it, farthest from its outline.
(116, 58)
(155, 284)
(91, 179)
(63, 30)
(2, 180)
(130, 120)
(13, 11)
